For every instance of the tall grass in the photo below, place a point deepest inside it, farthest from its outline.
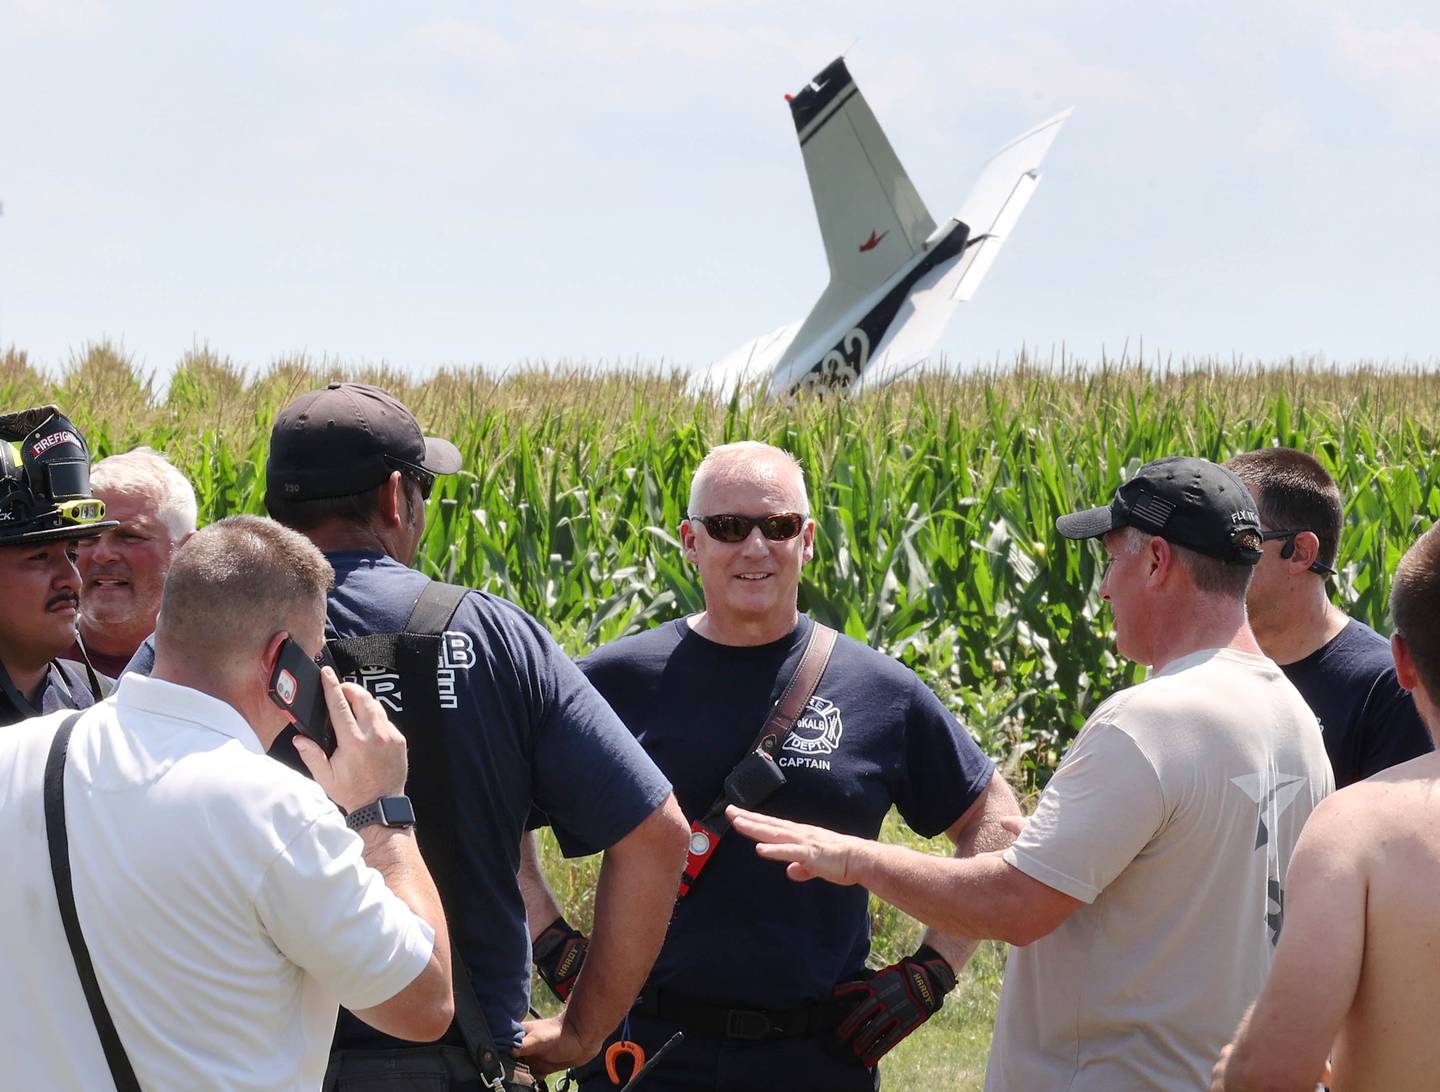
(935, 499)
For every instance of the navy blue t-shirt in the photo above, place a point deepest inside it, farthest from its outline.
(523, 730)
(1369, 721)
(872, 736)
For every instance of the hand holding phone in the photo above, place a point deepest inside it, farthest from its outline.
(295, 688)
(368, 759)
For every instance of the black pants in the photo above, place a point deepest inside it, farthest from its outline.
(708, 1064)
(421, 1069)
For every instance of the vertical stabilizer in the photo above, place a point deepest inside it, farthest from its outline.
(871, 218)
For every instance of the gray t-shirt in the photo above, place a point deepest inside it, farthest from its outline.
(1173, 817)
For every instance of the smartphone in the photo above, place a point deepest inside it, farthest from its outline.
(295, 687)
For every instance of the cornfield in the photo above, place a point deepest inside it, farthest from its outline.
(935, 499)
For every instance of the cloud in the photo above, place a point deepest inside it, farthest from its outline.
(891, 81)
(392, 119)
(1401, 64)
(62, 16)
(468, 41)
(745, 51)
(70, 201)
(709, 41)
(1277, 130)
(1045, 74)
(651, 8)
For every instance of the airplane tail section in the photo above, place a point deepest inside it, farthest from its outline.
(871, 217)
(895, 279)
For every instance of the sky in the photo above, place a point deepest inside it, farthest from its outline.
(436, 184)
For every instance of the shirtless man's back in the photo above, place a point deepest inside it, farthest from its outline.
(1357, 971)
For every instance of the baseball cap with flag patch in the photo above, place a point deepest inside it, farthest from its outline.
(45, 480)
(1185, 500)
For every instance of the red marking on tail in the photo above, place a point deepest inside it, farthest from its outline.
(872, 242)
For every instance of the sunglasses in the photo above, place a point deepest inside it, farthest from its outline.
(1288, 550)
(422, 478)
(733, 528)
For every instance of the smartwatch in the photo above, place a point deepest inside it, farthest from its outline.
(388, 811)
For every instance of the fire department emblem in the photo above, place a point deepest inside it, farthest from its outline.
(818, 730)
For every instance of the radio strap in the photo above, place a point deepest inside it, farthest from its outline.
(56, 834)
(706, 832)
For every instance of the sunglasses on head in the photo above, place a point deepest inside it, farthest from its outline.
(733, 528)
(1288, 550)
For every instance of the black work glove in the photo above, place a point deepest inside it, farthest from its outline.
(559, 954)
(891, 1003)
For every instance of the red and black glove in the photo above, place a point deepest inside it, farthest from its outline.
(559, 953)
(891, 1003)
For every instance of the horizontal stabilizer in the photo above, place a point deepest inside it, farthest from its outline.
(999, 196)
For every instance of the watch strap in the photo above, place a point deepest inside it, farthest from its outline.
(377, 812)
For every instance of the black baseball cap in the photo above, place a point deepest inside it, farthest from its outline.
(1188, 501)
(346, 439)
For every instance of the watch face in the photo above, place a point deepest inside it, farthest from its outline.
(395, 811)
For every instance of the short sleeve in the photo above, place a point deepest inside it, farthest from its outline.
(1392, 729)
(332, 915)
(1102, 807)
(944, 771)
(593, 781)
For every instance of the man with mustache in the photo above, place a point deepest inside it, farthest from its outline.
(122, 570)
(45, 510)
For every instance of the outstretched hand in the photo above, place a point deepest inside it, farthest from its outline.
(812, 852)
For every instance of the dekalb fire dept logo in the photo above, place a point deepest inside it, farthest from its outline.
(818, 730)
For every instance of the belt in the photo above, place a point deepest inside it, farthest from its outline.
(451, 1064)
(723, 1022)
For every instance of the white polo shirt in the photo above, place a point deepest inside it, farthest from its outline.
(225, 903)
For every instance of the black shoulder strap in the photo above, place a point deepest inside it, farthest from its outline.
(99, 685)
(414, 656)
(55, 833)
(430, 778)
(417, 657)
(97, 688)
(435, 607)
